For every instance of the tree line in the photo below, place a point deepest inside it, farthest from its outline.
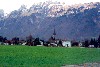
(30, 41)
(92, 42)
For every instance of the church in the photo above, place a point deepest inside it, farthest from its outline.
(55, 42)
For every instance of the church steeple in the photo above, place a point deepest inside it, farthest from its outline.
(54, 34)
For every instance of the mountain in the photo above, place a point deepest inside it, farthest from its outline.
(1, 14)
(79, 21)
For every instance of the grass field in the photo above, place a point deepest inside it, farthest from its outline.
(26, 56)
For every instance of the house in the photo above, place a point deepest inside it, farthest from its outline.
(24, 43)
(6, 44)
(80, 44)
(91, 46)
(1, 43)
(66, 43)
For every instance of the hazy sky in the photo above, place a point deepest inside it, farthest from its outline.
(10, 5)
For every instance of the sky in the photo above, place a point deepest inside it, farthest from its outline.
(10, 5)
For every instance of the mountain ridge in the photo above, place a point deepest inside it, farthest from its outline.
(71, 22)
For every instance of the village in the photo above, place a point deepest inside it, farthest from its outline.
(52, 42)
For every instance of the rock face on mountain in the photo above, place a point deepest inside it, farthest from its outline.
(78, 21)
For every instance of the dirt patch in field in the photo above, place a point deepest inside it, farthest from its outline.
(84, 65)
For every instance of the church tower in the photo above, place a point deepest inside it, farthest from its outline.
(54, 34)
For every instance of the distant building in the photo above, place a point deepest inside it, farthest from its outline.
(58, 42)
(66, 43)
(54, 34)
(80, 44)
(52, 39)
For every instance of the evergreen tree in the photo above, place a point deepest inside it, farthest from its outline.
(99, 41)
(91, 42)
(37, 42)
(4, 39)
(95, 43)
(1, 39)
(59, 43)
(86, 43)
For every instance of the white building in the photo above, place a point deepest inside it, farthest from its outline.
(66, 43)
(91, 46)
(6, 44)
(24, 43)
(80, 44)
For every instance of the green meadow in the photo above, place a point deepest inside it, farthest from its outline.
(30, 56)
